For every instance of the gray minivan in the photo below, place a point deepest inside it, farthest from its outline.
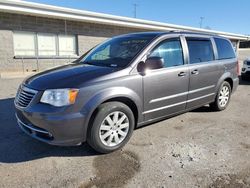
(124, 83)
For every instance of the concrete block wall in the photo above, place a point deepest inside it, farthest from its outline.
(6, 49)
(85, 43)
(88, 35)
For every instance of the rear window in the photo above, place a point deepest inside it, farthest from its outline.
(224, 48)
(200, 50)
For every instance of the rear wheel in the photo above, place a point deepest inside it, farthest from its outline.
(223, 97)
(112, 127)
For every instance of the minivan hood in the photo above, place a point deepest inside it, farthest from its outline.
(68, 76)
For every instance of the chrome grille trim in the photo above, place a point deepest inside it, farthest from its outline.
(31, 129)
(24, 96)
(20, 123)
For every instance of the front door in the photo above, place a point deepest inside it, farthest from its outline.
(166, 89)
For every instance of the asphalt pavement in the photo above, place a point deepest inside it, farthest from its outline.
(201, 148)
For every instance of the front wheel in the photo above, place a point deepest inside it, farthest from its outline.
(222, 98)
(112, 127)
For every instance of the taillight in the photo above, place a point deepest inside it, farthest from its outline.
(238, 68)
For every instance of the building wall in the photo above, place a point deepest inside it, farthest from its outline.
(245, 44)
(88, 35)
(243, 54)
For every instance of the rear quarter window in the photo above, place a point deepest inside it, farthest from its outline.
(224, 48)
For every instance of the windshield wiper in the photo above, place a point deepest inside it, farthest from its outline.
(87, 62)
(95, 64)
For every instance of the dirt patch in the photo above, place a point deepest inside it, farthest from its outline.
(114, 170)
(199, 120)
(241, 180)
(242, 124)
(179, 128)
(245, 146)
(186, 153)
(141, 144)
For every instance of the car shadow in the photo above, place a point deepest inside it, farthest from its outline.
(205, 109)
(16, 146)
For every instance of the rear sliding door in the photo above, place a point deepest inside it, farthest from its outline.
(204, 71)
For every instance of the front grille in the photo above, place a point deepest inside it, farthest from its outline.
(247, 73)
(24, 96)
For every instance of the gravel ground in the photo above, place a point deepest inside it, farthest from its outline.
(196, 149)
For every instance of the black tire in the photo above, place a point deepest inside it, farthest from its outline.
(216, 104)
(103, 111)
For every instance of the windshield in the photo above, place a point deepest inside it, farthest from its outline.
(117, 52)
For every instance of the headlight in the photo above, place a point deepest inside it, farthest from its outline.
(245, 62)
(59, 97)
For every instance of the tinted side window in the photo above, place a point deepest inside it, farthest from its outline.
(224, 48)
(170, 51)
(200, 50)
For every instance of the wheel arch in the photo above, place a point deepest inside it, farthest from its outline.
(225, 77)
(230, 81)
(119, 94)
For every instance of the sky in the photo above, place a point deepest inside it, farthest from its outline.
(222, 15)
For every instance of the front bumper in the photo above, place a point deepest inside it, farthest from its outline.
(63, 130)
(246, 73)
(245, 70)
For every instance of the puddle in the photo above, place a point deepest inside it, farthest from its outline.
(114, 170)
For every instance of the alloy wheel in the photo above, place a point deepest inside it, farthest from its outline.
(114, 128)
(224, 96)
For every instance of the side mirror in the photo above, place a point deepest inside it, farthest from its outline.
(154, 62)
(141, 67)
(151, 63)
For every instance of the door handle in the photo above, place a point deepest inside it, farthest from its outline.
(182, 74)
(195, 71)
